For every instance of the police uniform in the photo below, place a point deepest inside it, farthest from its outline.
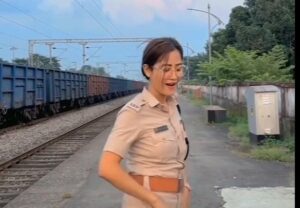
(151, 137)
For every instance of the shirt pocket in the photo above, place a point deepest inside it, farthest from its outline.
(165, 144)
(167, 135)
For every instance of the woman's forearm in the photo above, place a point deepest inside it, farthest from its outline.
(118, 177)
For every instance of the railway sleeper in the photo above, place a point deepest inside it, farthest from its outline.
(18, 182)
(13, 188)
(53, 152)
(19, 178)
(26, 170)
(50, 154)
(22, 165)
(4, 202)
(8, 195)
(31, 161)
(45, 157)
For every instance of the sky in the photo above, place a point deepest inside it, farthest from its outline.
(24, 20)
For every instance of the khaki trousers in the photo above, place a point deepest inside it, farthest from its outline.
(173, 200)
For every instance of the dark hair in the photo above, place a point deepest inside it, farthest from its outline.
(157, 49)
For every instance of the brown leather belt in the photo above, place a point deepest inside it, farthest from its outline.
(161, 184)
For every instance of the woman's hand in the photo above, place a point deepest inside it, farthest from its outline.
(186, 198)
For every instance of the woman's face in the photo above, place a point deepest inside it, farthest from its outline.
(165, 75)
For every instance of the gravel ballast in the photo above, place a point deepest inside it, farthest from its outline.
(21, 140)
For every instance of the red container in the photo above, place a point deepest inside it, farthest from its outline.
(97, 85)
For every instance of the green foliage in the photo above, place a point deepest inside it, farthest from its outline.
(38, 61)
(273, 153)
(21, 61)
(88, 69)
(120, 77)
(193, 62)
(259, 25)
(276, 149)
(271, 149)
(45, 62)
(237, 66)
(3, 61)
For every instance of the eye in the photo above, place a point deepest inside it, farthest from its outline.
(166, 69)
(180, 68)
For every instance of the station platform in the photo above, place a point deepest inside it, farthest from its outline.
(218, 176)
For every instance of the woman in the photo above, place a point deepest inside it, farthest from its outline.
(149, 132)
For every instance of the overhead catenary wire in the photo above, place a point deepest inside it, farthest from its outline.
(94, 18)
(24, 26)
(43, 22)
(111, 23)
(34, 18)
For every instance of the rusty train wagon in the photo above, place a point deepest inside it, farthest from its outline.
(97, 88)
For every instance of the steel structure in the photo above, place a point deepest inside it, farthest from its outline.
(83, 42)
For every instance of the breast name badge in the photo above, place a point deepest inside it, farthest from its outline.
(161, 129)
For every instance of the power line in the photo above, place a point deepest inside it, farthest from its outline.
(34, 18)
(100, 10)
(94, 18)
(10, 35)
(43, 22)
(28, 28)
(93, 54)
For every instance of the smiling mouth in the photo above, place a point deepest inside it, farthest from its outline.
(171, 84)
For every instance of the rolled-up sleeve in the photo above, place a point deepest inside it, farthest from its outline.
(124, 133)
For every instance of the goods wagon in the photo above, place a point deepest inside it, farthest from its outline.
(97, 88)
(29, 92)
(117, 87)
(22, 90)
(65, 90)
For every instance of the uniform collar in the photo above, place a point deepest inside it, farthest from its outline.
(151, 100)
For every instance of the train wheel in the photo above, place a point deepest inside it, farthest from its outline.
(26, 115)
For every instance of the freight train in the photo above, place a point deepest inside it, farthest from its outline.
(27, 93)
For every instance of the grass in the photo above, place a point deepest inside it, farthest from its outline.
(271, 149)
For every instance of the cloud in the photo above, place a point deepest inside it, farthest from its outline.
(140, 12)
(137, 12)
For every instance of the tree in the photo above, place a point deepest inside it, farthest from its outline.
(236, 66)
(88, 69)
(3, 61)
(193, 64)
(260, 25)
(22, 61)
(120, 77)
(45, 62)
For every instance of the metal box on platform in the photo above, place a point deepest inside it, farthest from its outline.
(214, 114)
(263, 112)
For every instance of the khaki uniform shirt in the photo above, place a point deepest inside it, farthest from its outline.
(151, 136)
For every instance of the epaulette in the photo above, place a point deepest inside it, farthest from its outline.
(135, 104)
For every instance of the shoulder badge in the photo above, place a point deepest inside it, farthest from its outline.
(135, 104)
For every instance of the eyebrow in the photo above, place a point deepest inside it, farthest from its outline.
(171, 64)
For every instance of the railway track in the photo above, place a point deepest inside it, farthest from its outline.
(21, 172)
(16, 125)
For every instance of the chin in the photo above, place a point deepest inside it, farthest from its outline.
(170, 93)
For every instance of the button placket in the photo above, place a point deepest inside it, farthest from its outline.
(175, 122)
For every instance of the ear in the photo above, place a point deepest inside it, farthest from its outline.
(147, 70)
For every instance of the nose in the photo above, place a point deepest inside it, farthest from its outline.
(173, 74)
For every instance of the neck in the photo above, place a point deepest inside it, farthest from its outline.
(160, 97)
